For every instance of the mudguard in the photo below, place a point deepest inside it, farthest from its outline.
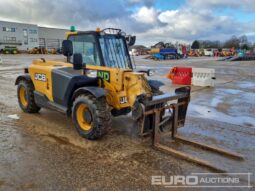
(95, 91)
(22, 77)
(155, 83)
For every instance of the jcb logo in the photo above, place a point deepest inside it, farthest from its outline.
(105, 75)
(123, 100)
(40, 77)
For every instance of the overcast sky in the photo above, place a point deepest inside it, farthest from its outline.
(150, 20)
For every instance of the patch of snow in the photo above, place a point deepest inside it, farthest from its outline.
(14, 116)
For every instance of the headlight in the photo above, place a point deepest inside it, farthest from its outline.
(91, 73)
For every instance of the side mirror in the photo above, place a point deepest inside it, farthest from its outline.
(77, 61)
(130, 40)
(67, 48)
(150, 72)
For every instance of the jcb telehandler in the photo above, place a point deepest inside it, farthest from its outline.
(98, 80)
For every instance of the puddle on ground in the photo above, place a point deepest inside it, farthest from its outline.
(246, 84)
(211, 113)
(228, 91)
(215, 101)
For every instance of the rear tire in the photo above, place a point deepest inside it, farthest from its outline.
(91, 116)
(25, 92)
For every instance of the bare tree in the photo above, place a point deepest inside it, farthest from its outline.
(232, 42)
(195, 45)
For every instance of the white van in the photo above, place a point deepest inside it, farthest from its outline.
(209, 51)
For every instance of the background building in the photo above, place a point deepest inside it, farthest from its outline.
(50, 38)
(27, 36)
(22, 36)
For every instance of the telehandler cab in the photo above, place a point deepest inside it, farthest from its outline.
(96, 82)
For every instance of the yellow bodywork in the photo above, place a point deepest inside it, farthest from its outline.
(70, 33)
(124, 84)
(40, 67)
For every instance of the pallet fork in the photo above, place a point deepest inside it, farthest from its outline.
(177, 120)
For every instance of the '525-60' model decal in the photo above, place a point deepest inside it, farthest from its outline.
(40, 77)
(105, 75)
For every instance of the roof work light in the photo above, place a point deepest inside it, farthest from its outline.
(72, 29)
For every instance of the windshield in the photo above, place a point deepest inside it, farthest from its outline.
(114, 51)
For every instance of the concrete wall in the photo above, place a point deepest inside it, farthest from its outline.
(22, 36)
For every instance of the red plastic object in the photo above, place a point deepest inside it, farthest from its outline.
(181, 75)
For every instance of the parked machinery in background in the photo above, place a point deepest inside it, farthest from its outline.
(166, 51)
(34, 50)
(194, 53)
(42, 50)
(10, 50)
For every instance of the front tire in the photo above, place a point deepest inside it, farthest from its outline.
(25, 92)
(91, 116)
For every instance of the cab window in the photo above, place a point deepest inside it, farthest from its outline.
(114, 51)
(86, 45)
